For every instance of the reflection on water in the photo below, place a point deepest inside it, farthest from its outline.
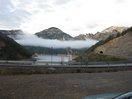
(54, 58)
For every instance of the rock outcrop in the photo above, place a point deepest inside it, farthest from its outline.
(14, 34)
(120, 46)
(85, 36)
(113, 30)
(54, 33)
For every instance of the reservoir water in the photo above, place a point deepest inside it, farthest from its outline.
(54, 58)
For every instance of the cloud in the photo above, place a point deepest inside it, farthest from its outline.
(72, 16)
(32, 40)
(120, 1)
(11, 17)
(14, 13)
(59, 2)
(5, 6)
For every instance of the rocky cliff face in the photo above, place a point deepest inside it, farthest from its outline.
(14, 34)
(54, 33)
(85, 36)
(121, 46)
(113, 30)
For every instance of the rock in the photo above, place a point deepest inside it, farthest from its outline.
(121, 45)
(54, 33)
(14, 34)
(113, 30)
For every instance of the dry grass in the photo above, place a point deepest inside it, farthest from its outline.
(42, 70)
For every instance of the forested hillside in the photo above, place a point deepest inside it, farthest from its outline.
(11, 50)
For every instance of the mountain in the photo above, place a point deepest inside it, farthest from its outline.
(113, 30)
(11, 50)
(117, 47)
(85, 36)
(54, 33)
(14, 34)
(121, 45)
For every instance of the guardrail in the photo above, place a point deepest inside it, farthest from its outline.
(16, 62)
(64, 63)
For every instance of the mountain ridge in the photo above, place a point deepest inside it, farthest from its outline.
(13, 33)
(114, 48)
(121, 45)
(54, 33)
(11, 50)
(104, 34)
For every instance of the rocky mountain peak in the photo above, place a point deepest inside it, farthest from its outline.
(53, 30)
(85, 36)
(54, 33)
(111, 31)
(114, 29)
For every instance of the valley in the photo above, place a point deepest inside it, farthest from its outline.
(65, 49)
(46, 42)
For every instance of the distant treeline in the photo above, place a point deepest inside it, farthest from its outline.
(45, 50)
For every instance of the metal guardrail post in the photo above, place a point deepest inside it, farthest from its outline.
(125, 63)
(108, 65)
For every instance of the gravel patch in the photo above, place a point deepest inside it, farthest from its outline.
(64, 86)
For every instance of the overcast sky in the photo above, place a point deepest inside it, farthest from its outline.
(71, 16)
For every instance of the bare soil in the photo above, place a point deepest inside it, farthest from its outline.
(64, 86)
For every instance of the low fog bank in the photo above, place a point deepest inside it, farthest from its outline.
(33, 40)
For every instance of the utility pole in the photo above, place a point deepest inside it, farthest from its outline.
(51, 54)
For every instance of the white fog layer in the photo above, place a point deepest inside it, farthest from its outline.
(32, 40)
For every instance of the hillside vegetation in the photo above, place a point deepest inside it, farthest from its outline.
(108, 39)
(11, 50)
(121, 44)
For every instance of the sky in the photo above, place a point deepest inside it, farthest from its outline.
(71, 16)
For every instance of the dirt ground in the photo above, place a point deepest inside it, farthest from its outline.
(63, 86)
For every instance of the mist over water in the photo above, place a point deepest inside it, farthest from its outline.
(33, 40)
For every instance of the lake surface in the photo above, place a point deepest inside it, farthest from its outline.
(54, 58)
